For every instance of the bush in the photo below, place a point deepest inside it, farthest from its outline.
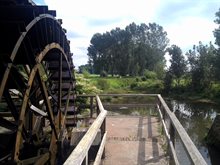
(150, 74)
(85, 73)
(84, 86)
(103, 84)
(143, 78)
(149, 86)
(137, 79)
(134, 85)
(103, 74)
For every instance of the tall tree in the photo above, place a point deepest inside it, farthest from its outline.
(178, 63)
(201, 69)
(130, 50)
(217, 42)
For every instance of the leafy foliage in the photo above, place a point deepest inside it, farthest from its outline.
(84, 86)
(178, 63)
(201, 68)
(128, 51)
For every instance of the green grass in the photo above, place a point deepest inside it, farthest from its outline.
(126, 84)
(112, 84)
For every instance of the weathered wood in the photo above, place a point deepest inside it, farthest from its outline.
(79, 153)
(120, 95)
(172, 134)
(127, 105)
(170, 144)
(100, 151)
(129, 95)
(91, 106)
(39, 111)
(191, 149)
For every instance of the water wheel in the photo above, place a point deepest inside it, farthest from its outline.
(37, 84)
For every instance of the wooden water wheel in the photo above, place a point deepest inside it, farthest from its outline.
(37, 84)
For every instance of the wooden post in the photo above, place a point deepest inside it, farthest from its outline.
(172, 133)
(103, 129)
(85, 161)
(91, 106)
(97, 109)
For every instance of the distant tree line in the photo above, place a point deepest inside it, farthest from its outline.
(128, 51)
(199, 68)
(138, 49)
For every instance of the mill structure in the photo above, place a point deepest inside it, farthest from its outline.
(37, 90)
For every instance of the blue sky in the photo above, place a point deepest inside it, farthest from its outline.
(186, 21)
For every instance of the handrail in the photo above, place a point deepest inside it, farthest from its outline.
(100, 151)
(81, 151)
(122, 95)
(170, 143)
(191, 149)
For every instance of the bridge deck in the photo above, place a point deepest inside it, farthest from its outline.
(133, 140)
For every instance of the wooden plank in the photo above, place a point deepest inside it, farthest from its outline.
(127, 105)
(79, 153)
(39, 111)
(120, 95)
(101, 108)
(191, 149)
(100, 151)
(129, 95)
(5, 114)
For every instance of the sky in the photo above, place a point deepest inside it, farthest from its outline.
(186, 21)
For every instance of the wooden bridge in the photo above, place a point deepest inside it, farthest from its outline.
(144, 146)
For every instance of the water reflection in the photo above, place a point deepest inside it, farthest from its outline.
(196, 118)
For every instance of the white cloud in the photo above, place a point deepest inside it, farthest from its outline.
(189, 31)
(83, 18)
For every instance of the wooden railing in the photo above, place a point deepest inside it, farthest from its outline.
(80, 154)
(170, 123)
(176, 128)
(171, 126)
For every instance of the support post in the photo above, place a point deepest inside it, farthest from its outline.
(85, 161)
(103, 129)
(172, 133)
(91, 106)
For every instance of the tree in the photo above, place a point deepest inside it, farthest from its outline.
(217, 42)
(85, 68)
(178, 63)
(130, 50)
(201, 67)
(217, 31)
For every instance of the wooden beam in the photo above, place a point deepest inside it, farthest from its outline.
(79, 153)
(170, 144)
(100, 151)
(190, 147)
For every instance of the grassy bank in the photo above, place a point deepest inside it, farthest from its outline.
(126, 84)
(97, 84)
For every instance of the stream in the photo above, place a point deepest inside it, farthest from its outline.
(196, 118)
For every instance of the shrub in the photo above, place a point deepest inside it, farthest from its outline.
(103, 74)
(143, 78)
(150, 74)
(149, 86)
(103, 84)
(137, 79)
(85, 73)
(134, 85)
(84, 86)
